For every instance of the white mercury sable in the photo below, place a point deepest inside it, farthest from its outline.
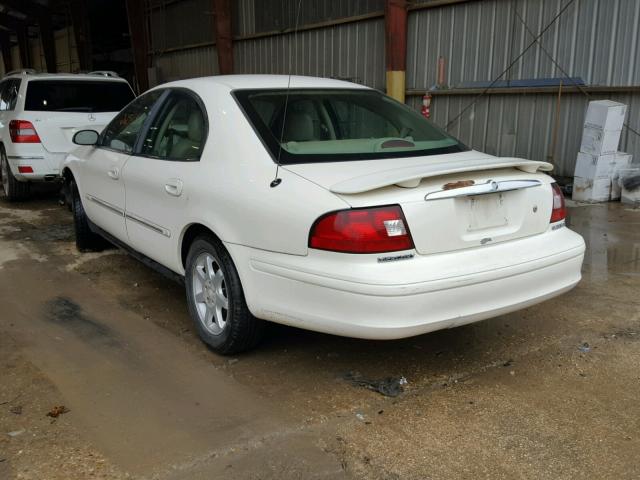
(377, 224)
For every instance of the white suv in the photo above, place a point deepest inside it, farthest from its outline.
(40, 113)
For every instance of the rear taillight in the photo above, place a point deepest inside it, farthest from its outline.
(364, 230)
(559, 211)
(22, 131)
(25, 169)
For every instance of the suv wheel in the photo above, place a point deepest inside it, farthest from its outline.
(86, 240)
(216, 300)
(13, 189)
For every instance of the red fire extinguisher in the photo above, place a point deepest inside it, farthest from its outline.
(426, 106)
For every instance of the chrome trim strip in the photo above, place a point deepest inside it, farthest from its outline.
(20, 157)
(107, 205)
(491, 186)
(148, 224)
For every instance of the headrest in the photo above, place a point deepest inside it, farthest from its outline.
(195, 126)
(299, 127)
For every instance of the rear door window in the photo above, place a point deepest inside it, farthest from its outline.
(9, 94)
(179, 131)
(77, 96)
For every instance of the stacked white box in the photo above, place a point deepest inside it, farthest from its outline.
(600, 142)
(591, 189)
(603, 127)
(622, 162)
(594, 166)
(599, 158)
(605, 115)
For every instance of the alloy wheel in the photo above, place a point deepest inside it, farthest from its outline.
(210, 293)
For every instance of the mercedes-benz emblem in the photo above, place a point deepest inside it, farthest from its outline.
(92, 117)
(494, 185)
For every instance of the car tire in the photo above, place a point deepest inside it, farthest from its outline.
(86, 239)
(212, 283)
(14, 190)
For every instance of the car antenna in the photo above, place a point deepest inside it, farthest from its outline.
(277, 181)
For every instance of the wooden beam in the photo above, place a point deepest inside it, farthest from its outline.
(23, 45)
(224, 35)
(30, 9)
(138, 34)
(10, 22)
(5, 47)
(82, 33)
(48, 41)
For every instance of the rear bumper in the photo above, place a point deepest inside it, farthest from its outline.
(45, 166)
(356, 296)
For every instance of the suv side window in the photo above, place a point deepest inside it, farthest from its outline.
(121, 134)
(9, 94)
(179, 131)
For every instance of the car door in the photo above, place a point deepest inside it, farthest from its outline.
(101, 182)
(160, 177)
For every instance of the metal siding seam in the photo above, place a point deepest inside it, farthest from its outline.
(634, 44)
(491, 42)
(612, 46)
(463, 61)
(556, 34)
(536, 69)
(592, 40)
(574, 39)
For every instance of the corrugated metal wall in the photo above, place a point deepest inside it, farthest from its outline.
(594, 39)
(353, 51)
(258, 16)
(597, 40)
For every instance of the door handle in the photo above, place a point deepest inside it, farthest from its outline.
(114, 173)
(173, 187)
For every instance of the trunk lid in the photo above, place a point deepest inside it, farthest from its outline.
(56, 130)
(466, 201)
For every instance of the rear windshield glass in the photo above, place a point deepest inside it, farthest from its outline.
(336, 125)
(77, 96)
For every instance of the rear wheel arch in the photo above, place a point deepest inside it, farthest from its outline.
(190, 233)
(68, 179)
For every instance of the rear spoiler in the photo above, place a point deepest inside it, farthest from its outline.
(410, 177)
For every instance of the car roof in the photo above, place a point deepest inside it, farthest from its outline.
(65, 76)
(236, 82)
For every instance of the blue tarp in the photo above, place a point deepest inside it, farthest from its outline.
(531, 82)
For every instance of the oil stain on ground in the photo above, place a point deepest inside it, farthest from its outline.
(68, 314)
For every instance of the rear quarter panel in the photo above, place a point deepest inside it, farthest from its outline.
(232, 194)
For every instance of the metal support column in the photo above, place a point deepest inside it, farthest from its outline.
(48, 42)
(138, 34)
(395, 22)
(224, 35)
(82, 33)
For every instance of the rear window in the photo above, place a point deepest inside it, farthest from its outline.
(332, 125)
(77, 96)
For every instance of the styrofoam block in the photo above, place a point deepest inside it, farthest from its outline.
(606, 115)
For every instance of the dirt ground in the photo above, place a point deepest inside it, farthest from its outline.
(548, 392)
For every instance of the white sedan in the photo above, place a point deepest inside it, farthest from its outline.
(319, 204)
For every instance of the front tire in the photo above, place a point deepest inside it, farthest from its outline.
(216, 299)
(14, 190)
(86, 240)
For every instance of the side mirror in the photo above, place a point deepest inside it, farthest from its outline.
(86, 137)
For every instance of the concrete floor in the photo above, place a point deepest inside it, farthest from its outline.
(518, 396)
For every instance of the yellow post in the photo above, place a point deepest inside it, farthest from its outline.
(396, 84)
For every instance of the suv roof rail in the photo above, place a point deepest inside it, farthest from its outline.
(26, 71)
(104, 73)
